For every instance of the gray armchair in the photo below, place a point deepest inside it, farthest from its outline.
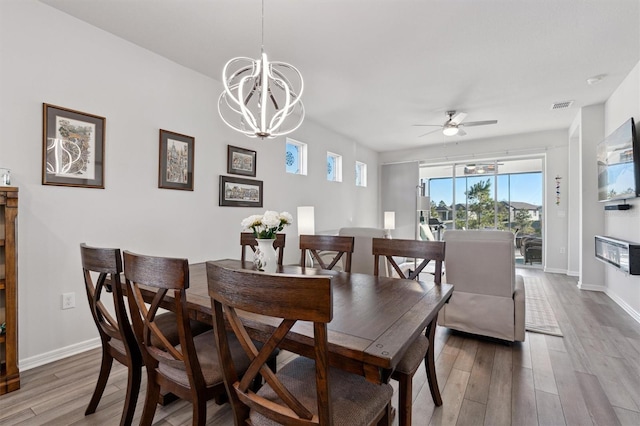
(488, 297)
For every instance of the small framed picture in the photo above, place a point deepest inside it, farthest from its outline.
(176, 161)
(241, 161)
(72, 148)
(239, 192)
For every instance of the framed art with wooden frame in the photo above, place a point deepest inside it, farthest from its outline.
(72, 148)
(176, 161)
(239, 192)
(241, 161)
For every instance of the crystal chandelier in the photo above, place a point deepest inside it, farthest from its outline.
(261, 98)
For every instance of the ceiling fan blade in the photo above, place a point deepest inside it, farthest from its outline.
(461, 132)
(457, 119)
(428, 133)
(430, 125)
(479, 123)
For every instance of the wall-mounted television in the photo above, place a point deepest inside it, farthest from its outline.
(618, 164)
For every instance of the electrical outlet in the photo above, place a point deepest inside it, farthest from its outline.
(68, 300)
(562, 250)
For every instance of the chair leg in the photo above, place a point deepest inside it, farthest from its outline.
(151, 400)
(199, 412)
(430, 364)
(405, 399)
(133, 389)
(105, 369)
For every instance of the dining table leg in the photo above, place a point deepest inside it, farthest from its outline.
(430, 364)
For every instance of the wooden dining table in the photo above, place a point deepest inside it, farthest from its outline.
(375, 318)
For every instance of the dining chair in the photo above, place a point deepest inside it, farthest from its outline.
(305, 390)
(323, 246)
(101, 269)
(247, 239)
(420, 350)
(189, 369)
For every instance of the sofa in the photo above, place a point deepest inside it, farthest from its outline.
(488, 297)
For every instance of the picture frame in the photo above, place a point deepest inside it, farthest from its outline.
(73, 144)
(240, 192)
(175, 169)
(241, 161)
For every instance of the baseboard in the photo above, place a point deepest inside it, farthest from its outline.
(55, 355)
(628, 309)
(555, 271)
(592, 287)
(573, 273)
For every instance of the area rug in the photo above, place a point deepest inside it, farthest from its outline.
(539, 317)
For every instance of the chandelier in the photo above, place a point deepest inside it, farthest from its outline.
(261, 98)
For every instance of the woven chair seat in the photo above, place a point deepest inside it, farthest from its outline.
(414, 356)
(205, 345)
(355, 401)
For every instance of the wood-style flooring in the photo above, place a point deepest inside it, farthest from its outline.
(589, 376)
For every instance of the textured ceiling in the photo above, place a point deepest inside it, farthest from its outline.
(374, 68)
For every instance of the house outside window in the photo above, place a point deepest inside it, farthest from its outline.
(295, 157)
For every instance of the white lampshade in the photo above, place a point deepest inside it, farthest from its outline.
(306, 220)
(389, 220)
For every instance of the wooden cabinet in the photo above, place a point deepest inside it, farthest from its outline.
(9, 373)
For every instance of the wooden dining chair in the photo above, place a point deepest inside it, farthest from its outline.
(305, 390)
(102, 268)
(247, 239)
(420, 350)
(320, 245)
(190, 369)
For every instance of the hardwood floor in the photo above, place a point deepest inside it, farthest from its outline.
(589, 376)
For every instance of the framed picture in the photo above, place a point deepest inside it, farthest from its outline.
(241, 161)
(72, 148)
(176, 161)
(239, 192)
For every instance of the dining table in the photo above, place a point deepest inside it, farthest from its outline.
(375, 318)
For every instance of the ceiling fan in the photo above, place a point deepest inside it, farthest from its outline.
(453, 126)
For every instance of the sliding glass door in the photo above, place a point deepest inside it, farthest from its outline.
(498, 194)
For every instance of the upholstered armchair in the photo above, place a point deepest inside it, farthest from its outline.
(488, 297)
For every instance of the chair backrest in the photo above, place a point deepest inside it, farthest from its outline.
(248, 240)
(362, 259)
(287, 299)
(422, 251)
(337, 245)
(102, 268)
(481, 261)
(164, 276)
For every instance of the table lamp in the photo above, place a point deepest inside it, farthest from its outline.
(389, 223)
(306, 226)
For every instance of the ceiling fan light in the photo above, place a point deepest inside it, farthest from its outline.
(450, 130)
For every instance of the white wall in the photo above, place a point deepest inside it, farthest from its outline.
(48, 56)
(589, 123)
(552, 145)
(398, 193)
(624, 288)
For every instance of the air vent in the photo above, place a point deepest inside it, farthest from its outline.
(561, 105)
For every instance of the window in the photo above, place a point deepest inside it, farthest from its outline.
(334, 167)
(296, 157)
(361, 174)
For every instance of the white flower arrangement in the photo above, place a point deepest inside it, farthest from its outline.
(268, 224)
